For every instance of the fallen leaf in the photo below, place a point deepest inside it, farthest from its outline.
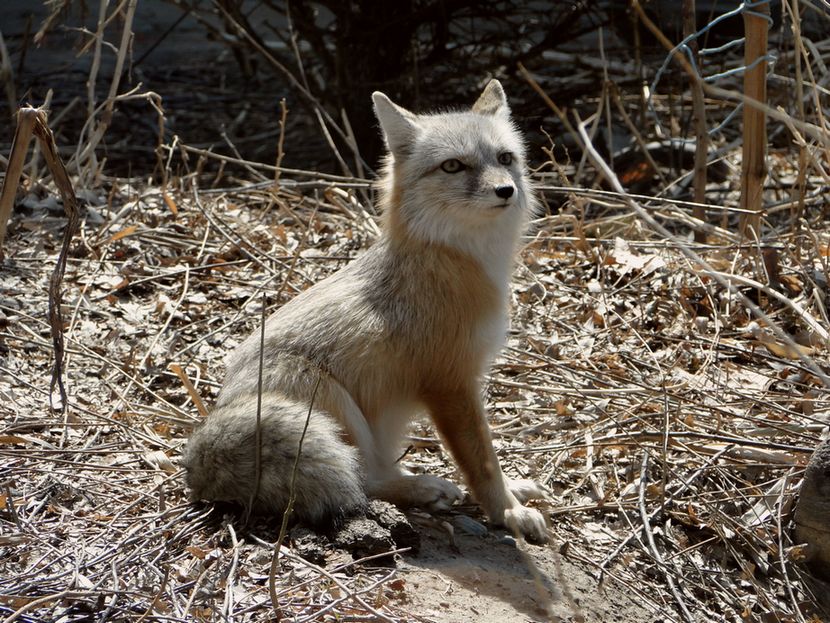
(157, 459)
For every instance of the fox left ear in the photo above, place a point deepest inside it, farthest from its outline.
(400, 127)
(492, 100)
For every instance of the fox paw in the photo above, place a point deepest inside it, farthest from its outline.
(525, 490)
(432, 493)
(527, 522)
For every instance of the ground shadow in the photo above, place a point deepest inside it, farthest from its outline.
(488, 579)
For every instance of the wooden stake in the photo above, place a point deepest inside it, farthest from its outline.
(754, 165)
(20, 146)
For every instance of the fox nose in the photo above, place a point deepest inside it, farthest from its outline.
(504, 191)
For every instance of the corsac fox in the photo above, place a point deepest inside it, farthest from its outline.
(410, 325)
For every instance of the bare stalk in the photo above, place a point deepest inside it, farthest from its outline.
(803, 164)
(280, 143)
(7, 76)
(699, 118)
(40, 128)
(86, 162)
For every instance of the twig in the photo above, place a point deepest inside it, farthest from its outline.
(191, 391)
(258, 429)
(70, 205)
(269, 167)
(667, 574)
(34, 173)
(350, 595)
(280, 144)
(378, 616)
(671, 497)
(802, 313)
(782, 555)
(643, 214)
(799, 189)
(321, 122)
(82, 150)
(40, 601)
(157, 597)
(96, 56)
(229, 579)
(275, 560)
(301, 89)
(563, 117)
(243, 245)
(185, 288)
(87, 155)
(699, 118)
(638, 137)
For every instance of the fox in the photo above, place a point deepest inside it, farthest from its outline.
(410, 325)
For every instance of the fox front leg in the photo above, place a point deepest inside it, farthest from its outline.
(460, 418)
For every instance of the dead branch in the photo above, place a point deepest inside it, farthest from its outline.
(70, 206)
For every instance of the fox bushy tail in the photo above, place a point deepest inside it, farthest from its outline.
(220, 459)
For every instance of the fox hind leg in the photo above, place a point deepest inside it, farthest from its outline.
(424, 490)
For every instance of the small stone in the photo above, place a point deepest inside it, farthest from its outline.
(507, 540)
(468, 525)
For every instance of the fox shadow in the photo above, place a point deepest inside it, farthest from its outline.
(526, 577)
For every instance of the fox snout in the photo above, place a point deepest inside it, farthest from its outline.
(505, 191)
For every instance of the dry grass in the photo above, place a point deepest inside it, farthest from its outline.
(672, 429)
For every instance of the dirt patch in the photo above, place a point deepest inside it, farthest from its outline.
(494, 579)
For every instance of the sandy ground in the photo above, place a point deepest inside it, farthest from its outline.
(489, 580)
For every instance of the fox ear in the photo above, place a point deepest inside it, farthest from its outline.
(399, 126)
(492, 100)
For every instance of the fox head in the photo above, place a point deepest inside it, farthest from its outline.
(456, 178)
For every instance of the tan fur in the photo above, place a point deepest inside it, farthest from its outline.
(410, 325)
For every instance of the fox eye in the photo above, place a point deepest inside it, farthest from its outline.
(505, 158)
(453, 165)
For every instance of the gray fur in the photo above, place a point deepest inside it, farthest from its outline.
(220, 460)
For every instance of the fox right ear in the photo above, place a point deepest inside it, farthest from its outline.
(492, 100)
(398, 124)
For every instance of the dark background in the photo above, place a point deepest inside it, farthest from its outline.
(220, 90)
